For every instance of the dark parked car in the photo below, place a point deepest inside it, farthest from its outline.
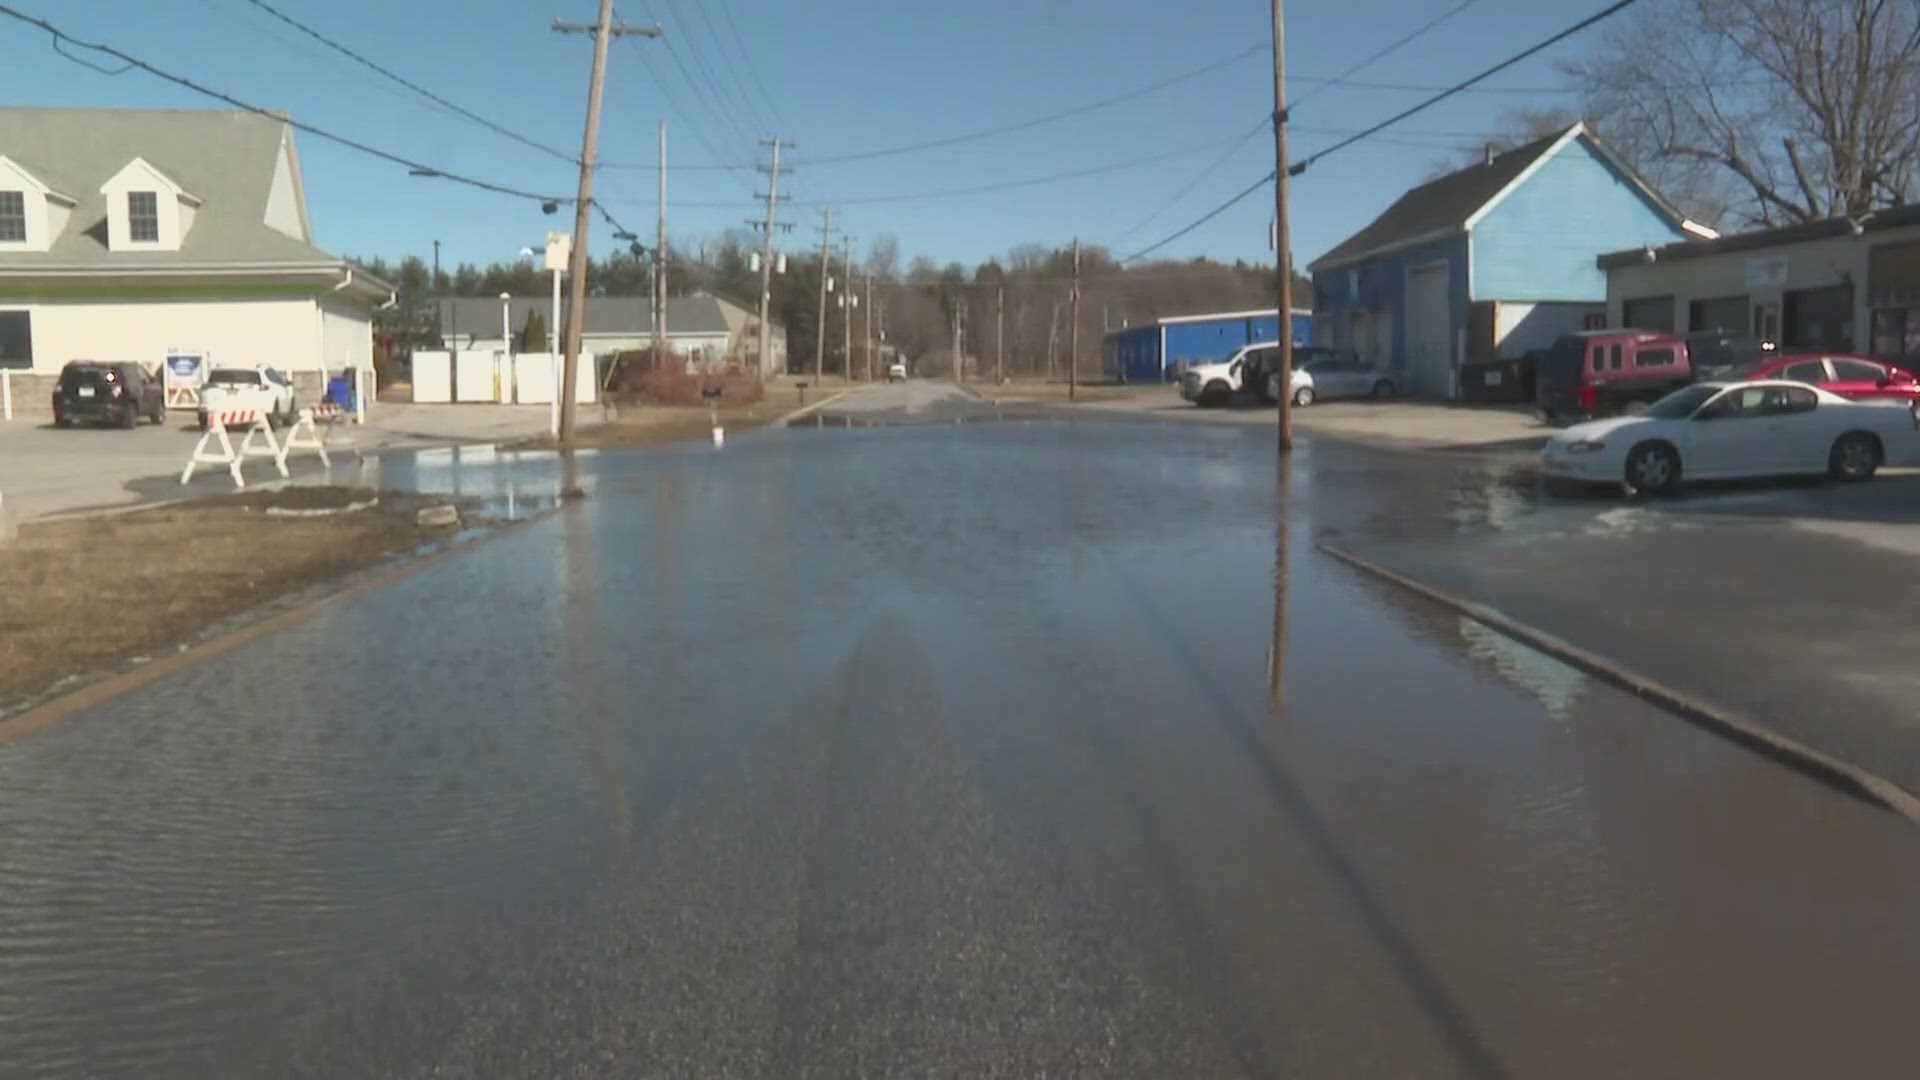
(107, 394)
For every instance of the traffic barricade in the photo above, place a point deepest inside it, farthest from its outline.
(219, 424)
(317, 428)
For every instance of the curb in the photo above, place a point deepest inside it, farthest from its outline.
(808, 410)
(1726, 723)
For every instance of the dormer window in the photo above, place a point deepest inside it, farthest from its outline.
(143, 217)
(13, 217)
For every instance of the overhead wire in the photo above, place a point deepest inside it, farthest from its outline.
(1384, 52)
(409, 84)
(1037, 121)
(60, 35)
(746, 60)
(751, 108)
(705, 85)
(1301, 166)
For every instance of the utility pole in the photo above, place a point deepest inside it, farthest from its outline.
(435, 292)
(766, 259)
(1073, 335)
(1053, 338)
(869, 348)
(959, 365)
(826, 267)
(603, 29)
(848, 298)
(660, 262)
(1283, 250)
(1000, 334)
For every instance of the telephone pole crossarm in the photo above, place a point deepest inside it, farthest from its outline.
(619, 29)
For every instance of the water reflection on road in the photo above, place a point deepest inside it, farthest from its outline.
(927, 750)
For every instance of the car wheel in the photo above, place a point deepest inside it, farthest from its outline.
(160, 414)
(1383, 389)
(1854, 457)
(1214, 393)
(130, 418)
(1303, 397)
(1652, 469)
(62, 421)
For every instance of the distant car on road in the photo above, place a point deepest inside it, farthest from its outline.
(897, 373)
(266, 389)
(1853, 377)
(1735, 429)
(107, 393)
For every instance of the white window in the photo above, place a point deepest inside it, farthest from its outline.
(13, 217)
(143, 217)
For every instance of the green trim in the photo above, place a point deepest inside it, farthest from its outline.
(158, 291)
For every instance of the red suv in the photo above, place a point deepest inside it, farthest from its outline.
(1596, 372)
(1849, 376)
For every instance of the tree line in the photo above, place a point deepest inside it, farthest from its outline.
(1015, 310)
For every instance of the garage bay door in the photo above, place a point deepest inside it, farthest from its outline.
(1429, 331)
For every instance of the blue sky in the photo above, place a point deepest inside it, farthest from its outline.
(840, 77)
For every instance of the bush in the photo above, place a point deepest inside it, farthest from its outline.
(638, 384)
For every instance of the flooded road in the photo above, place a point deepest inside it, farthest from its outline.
(929, 750)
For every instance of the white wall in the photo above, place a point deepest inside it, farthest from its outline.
(284, 333)
(346, 337)
(1518, 327)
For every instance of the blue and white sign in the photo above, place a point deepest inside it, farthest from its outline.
(186, 369)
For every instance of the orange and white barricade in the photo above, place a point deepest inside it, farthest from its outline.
(222, 421)
(317, 428)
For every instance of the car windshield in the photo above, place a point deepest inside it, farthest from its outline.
(1682, 403)
(234, 377)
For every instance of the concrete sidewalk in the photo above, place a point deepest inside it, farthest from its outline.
(46, 470)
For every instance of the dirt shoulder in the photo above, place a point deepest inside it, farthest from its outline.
(82, 598)
(657, 425)
(1014, 390)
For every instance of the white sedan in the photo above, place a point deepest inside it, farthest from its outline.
(1715, 430)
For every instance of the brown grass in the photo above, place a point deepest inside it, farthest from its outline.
(83, 596)
(653, 425)
(1046, 390)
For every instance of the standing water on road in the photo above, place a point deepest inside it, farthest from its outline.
(927, 750)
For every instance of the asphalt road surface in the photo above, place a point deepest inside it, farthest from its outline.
(929, 749)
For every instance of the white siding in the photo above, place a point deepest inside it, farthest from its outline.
(346, 337)
(1518, 327)
(283, 333)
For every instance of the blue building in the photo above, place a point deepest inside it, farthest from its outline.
(1487, 262)
(1161, 350)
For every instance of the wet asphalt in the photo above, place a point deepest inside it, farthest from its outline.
(898, 746)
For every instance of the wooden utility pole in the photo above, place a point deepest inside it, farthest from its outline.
(602, 30)
(766, 258)
(1073, 335)
(826, 273)
(869, 349)
(1053, 338)
(1000, 334)
(848, 298)
(660, 262)
(1283, 251)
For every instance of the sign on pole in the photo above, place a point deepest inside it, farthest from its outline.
(186, 372)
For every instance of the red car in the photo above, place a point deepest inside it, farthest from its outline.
(1849, 376)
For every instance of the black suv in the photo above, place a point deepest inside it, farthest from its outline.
(107, 393)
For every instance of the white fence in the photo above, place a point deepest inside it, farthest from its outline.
(496, 378)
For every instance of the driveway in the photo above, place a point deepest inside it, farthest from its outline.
(46, 470)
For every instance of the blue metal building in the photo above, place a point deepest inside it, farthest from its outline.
(1487, 262)
(1159, 351)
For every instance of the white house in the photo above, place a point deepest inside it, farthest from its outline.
(703, 328)
(130, 234)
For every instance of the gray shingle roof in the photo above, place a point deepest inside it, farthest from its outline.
(624, 315)
(225, 158)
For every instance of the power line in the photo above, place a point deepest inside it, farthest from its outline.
(410, 85)
(1022, 125)
(746, 60)
(1212, 167)
(1301, 166)
(60, 35)
(706, 86)
(1620, 5)
(753, 110)
(1385, 52)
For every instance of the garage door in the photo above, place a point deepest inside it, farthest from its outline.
(1429, 331)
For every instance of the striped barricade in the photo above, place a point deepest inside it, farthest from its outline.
(318, 427)
(219, 423)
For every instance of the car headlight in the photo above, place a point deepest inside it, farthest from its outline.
(1585, 446)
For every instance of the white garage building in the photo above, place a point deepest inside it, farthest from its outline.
(129, 235)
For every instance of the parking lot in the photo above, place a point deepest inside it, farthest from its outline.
(45, 470)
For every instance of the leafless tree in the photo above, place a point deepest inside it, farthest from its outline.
(1764, 112)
